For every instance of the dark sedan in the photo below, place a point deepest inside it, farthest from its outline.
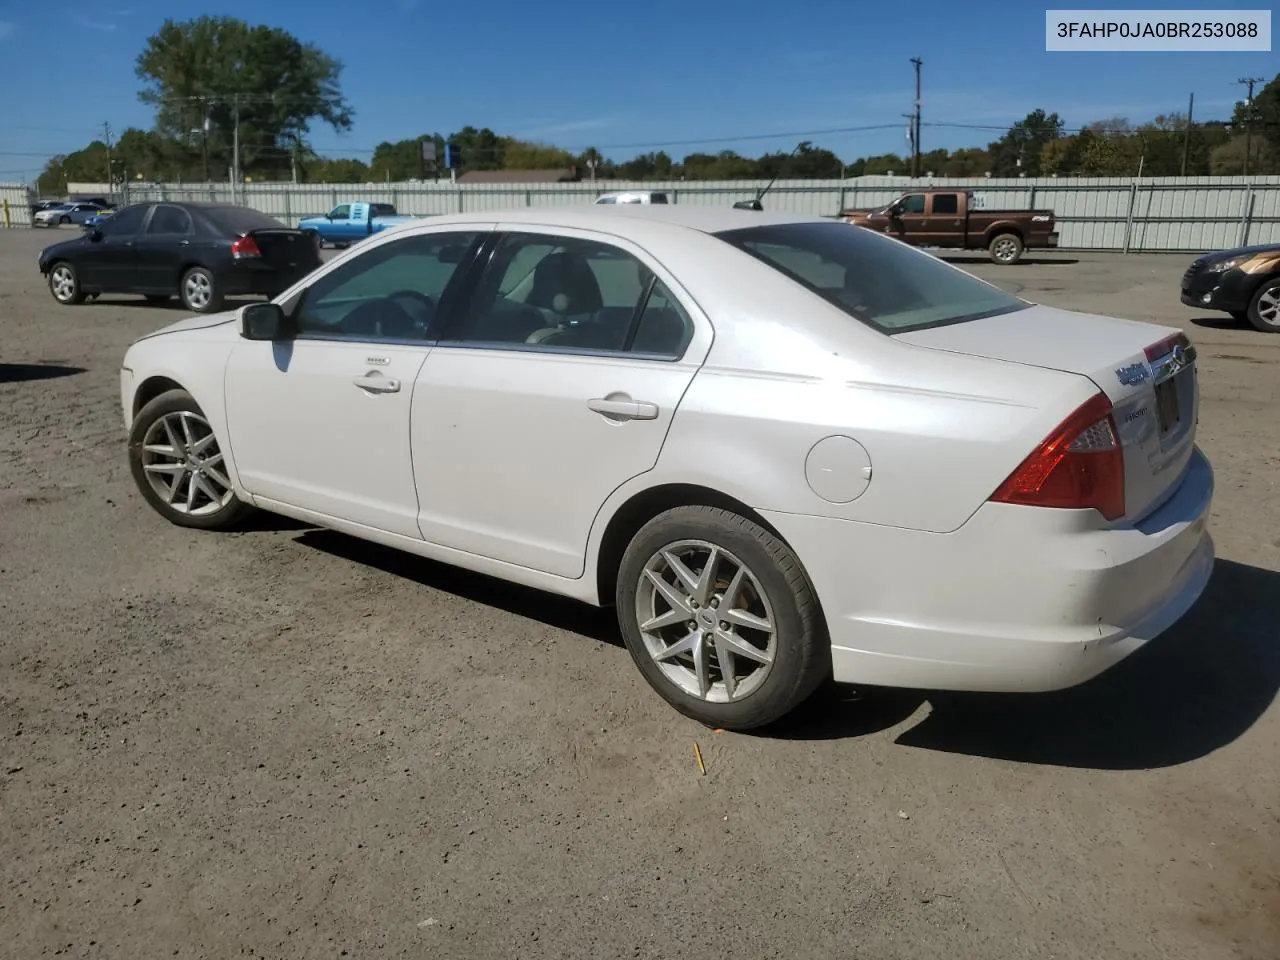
(200, 252)
(1244, 282)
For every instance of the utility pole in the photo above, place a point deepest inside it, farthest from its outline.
(235, 150)
(915, 135)
(1186, 137)
(106, 135)
(1248, 119)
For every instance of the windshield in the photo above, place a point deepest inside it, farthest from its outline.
(875, 279)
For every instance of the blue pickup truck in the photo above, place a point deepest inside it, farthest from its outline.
(348, 223)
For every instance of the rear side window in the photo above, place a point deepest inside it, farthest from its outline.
(946, 203)
(240, 220)
(882, 282)
(658, 198)
(169, 219)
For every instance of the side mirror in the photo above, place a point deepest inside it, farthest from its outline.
(264, 321)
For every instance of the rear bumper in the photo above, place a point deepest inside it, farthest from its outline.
(1019, 599)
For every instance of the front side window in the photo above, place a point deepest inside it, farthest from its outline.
(881, 282)
(912, 204)
(607, 200)
(391, 292)
(341, 212)
(125, 222)
(570, 294)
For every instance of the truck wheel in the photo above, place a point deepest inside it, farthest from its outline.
(1005, 248)
(1264, 309)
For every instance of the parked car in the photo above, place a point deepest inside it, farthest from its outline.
(200, 252)
(633, 196)
(348, 223)
(1244, 282)
(950, 220)
(39, 205)
(62, 213)
(780, 448)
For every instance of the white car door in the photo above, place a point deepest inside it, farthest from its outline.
(555, 385)
(321, 421)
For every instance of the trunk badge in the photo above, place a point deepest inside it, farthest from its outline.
(1134, 374)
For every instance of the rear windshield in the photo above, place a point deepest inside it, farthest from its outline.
(238, 220)
(880, 281)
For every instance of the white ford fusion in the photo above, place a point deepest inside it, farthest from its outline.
(782, 448)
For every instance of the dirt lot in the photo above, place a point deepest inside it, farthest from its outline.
(286, 743)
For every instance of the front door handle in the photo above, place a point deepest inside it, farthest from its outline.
(377, 383)
(620, 409)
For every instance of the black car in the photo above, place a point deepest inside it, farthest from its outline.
(202, 252)
(1244, 282)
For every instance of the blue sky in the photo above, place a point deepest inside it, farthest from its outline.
(625, 78)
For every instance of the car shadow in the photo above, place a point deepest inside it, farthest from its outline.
(560, 612)
(1025, 261)
(1189, 692)
(1221, 321)
(19, 372)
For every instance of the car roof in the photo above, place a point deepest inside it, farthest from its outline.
(628, 219)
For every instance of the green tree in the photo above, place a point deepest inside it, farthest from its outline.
(200, 75)
(1264, 117)
(1018, 151)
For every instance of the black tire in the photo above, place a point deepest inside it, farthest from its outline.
(63, 219)
(198, 279)
(1005, 248)
(158, 299)
(801, 659)
(63, 276)
(1264, 308)
(206, 514)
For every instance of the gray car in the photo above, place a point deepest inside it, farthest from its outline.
(67, 213)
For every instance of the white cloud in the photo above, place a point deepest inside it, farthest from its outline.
(571, 126)
(99, 25)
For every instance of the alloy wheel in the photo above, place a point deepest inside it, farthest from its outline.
(705, 621)
(197, 290)
(183, 464)
(63, 282)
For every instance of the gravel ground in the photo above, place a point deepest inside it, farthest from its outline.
(287, 743)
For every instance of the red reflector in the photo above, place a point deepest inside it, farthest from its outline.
(1079, 466)
(245, 247)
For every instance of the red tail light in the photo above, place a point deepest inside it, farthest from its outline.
(1160, 348)
(1080, 465)
(245, 247)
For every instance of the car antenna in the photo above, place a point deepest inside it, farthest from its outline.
(756, 204)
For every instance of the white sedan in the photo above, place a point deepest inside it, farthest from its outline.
(784, 449)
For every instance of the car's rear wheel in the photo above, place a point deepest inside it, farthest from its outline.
(1264, 308)
(199, 291)
(179, 466)
(64, 284)
(1005, 248)
(720, 618)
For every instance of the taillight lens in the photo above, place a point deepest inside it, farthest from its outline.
(1159, 349)
(245, 247)
(1080, 465)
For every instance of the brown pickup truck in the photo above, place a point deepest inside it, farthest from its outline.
(946, 218)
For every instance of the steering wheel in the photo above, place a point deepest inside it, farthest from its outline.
(421, 319)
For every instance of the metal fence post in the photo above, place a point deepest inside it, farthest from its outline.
(528, 198)
(1128, 221)
(1032, 199)
(1246, 216)
(288, 208)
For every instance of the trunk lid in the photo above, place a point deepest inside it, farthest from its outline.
(289, 251)
(1147, 371)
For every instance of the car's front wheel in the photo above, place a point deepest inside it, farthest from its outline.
(179, 466)
(64, 284)
(1264, 309)
(720, 618)
(199, 291)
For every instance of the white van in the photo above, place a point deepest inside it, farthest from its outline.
(633, 196)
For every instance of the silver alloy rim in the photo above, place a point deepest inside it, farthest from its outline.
(1005, 249)
(64, 283)
(184, 466)
(1269, 306)
(705, 621)
(198, 290)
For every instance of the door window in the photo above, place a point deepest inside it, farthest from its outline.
(169, 220)
(912, 204)
(126, 222)
(946, 204)
(391, 292)
(563, 293)
(341, 212)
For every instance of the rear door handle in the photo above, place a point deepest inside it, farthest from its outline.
(624, 409)
(377, 383)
